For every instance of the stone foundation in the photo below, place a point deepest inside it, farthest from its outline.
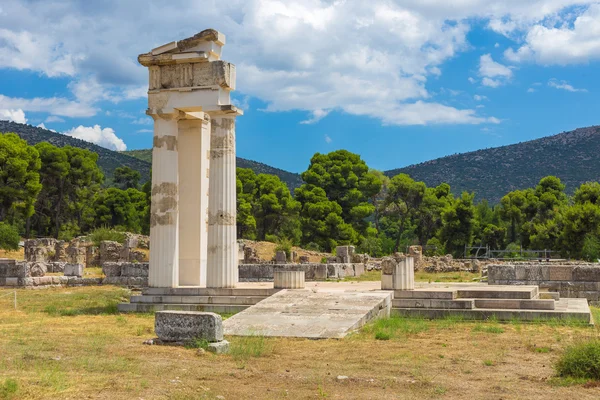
(312, 271)
(576, 280)
(288, 280)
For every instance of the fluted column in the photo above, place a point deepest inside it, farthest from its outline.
(222, 268)
(164, 217)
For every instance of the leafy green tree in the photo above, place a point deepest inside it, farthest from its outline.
(516, 208)
(458, 224)
(19, 176)
(121, 209)
(544, 227)
(580, 221)
(429, 213)
(587, 193)
(321, 219)
(403, 199)
(127, 178)
(347, 181)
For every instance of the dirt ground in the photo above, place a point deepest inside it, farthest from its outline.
(266, 251)
(72, 344)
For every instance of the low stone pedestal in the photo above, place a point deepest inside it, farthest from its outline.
(398, 274)
(288, 279)
(185, 326)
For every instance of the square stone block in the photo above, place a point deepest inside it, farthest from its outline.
(221, 347)
(586, 273)
(111, 269)
(559, 273)
(181, 326)
(12, 281)
(73, 270)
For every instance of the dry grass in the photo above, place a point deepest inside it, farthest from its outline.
(70, 344)
(422, 276)
(15, 254)
(266, 251)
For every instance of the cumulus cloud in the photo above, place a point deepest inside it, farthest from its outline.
(479, 97)
(44, 127)
(563, 85)
(58, 106)
(493, 83)
(494, 74)
(53, 118)
(328, 139)
(17, 115)
(571, 42)
(317, 115)
(104, 137)
(293, 55)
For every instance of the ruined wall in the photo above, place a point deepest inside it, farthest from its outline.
(312, 271)
(570, 279)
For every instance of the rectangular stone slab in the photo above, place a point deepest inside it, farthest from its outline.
(308, 314)
(181, 326)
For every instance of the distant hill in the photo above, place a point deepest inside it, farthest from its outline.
(292, 180)
(108, 160)
(572, 156)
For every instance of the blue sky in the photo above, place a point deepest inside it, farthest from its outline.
(398, 82)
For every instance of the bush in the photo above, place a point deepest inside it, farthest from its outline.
(591, 248)
(9, 237)
(581, 360)
(514, 251)
(312, 246)
(100, 234)
(434, 248)
(284, 244)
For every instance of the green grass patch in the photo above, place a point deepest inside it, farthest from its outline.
(488, 363)
(383, 336)
(488, 328)
(422, 276)
(580, 361)
(245, 347)
(100, 234)
(197, 344)
(368, 276)
(8, 389)
(394, 327)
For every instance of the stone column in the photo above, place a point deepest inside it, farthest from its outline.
(193, 143)
(164, 217)
(222, 263)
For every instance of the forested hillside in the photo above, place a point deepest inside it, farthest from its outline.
(491, 173)
(108, 160)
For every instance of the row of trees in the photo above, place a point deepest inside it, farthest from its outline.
(50, 191)
(58, 191)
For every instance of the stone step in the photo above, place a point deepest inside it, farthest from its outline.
(425, 294)
(152, 307)
(517, 304)
(504, 292)
(433, 303)
(576, 310)
(195, 291)
(549, 295)
(240, 300)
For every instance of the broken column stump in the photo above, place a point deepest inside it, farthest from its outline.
(180, 327)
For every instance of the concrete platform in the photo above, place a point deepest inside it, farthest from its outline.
(310, 314)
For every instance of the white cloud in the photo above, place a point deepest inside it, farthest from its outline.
(570, 42)
(144, 131)
(143, 121)
(563, 85)
(44, 127)
(493, 83)
(53, 118)
(293, 55)
(317, 115)
(52, 105)
(104, 137)
(328, 139)
(479, 97)
(13, 115)
(531, 90)
(497, 45)
(472, 80)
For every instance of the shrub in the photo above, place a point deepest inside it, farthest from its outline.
(591, 248)
(434, 248)
(100, 234)
(284, 244)
(312, 246)
(514, 251)
(9, 237)
(581, 360)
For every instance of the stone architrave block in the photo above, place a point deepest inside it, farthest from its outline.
(181, 326)
(74, 270)
(560, 273)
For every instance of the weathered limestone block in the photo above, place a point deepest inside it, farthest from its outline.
(221, 347)
(344, 253)
(8, 267)
(288, 279)
(73, 270)
(11, 282)
(402, 275)
(111, 269)
(280, 257)
(60, 251)
(110, 251)
(182, 326)
(75, 255)
(38, 269)
(250, 255)
(586, 273)
(136, 256)
(56, 266)
(134, 269)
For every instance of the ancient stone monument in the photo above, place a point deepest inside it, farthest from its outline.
(193, 211)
